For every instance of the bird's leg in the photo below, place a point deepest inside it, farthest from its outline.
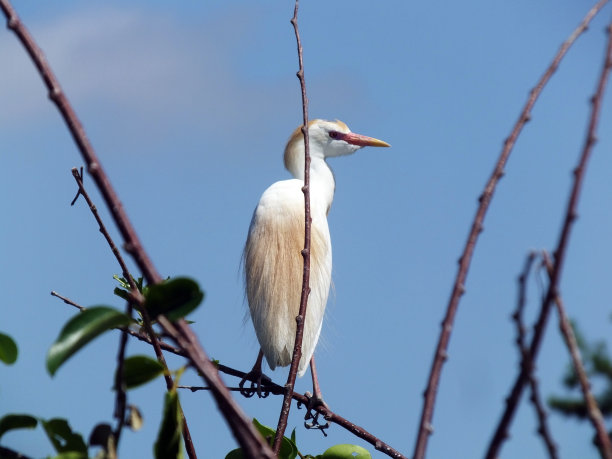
(255, 376)
(317, 397)
(315, 401)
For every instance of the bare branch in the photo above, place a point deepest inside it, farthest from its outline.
(526, 361)
(592, 409)
(441, 353)
(68, 301)
(120, 400)
(299, 333)
(555, 275)
(250, 440)
(328, 414)
(120, 389)
(276, 389)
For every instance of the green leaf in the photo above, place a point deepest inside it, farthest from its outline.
(288, 448)
(63, 438)
(346, 452)
(123, 294)
(80, 330)
(235, 454)
(16, 421)
(100, 435)
(140, 369)
(71, 455)
(174, 298)
(8, 349)
(168, 444)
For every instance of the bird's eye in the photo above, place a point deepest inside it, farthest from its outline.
(333, 134)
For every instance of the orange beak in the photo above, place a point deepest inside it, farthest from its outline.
(362, 140)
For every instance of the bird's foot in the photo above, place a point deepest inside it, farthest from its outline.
(311, 419)
(257, 384)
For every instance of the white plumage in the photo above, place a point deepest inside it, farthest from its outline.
(272, 255)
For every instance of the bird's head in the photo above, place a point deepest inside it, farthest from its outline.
(326, 139)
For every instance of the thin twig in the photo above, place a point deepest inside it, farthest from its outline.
(570, 216)
(68, 301)
(275, 389)
(246, 434)
(441, 353)
(592, 409)
(299, 333)
(328, 414)
(526, 361)
(120, 389)
(120, 400)
(92, 207)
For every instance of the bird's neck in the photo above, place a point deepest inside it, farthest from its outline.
(322, 185)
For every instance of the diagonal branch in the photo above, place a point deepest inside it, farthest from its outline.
(570, 216)
(120, 401)
(299, 333)
(441, 354)
(250, 440)
(268, 386)
(592, 409)
(527, 362)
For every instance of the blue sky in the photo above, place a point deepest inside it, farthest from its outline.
(189, 106)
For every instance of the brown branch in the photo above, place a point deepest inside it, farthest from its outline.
(275, 389)
(592, 409)
(120, 400)
(299, 333)
(527, 362)
(68, 301)
(120, 389)
(248, 437)
(570, 216)
(440, 356)
(328, 414)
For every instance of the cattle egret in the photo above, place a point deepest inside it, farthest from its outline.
(273, 262)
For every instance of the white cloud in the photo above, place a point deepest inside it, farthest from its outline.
(151, 70)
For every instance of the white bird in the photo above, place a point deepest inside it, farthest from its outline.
(273, 263)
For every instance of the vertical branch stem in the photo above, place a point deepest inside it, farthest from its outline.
(501, 432)
(425, 425)
(297, 348)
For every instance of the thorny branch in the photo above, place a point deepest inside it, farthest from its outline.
(592, 409)
(440, 356)
(501, 432)
(527, 363)
(250, 440)
(300, 319)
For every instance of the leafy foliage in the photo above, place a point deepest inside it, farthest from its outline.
(63, 438)
(289, 449)
(17, 421)
(140, 369)
(168, 444)
(175, 298)
(8, 349)
(598, 366)
(80, 330)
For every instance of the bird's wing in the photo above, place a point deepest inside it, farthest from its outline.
(274, 268)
